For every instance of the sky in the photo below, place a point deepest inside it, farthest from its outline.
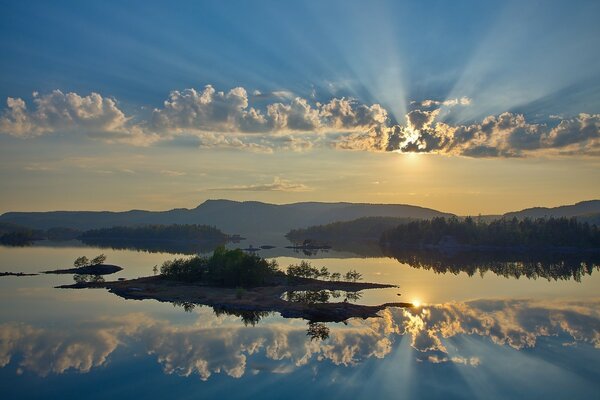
(467, 107)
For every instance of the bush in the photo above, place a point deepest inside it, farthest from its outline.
(233, 268)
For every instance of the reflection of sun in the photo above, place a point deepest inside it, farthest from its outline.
(416, 303)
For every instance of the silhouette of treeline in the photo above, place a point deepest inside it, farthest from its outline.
(237, 268)
(361, 229)
(158, 232)
(17, 235)
(188, 239)
(532, 265)
(541, 232)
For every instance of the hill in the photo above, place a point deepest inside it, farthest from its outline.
(583, 210)
(244, 218)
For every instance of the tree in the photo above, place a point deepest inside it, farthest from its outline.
(353, 275)
(335, 277)
(81, 262)
(98, 260)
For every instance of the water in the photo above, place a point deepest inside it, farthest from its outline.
(472, 336)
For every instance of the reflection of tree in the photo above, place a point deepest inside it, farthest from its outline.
(317, 331)
(249, 317)
(187, 306)
(548, 265)
(88, 278)
(308, 296)
(320, 296)
(353, 297)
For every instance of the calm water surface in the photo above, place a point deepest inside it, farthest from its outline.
(480, 336)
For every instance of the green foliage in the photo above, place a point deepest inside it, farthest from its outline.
(98, 260)
(353, 276)
(303, 270)
(232, 268)
(335, 276)
(81, 262)
(552, 232)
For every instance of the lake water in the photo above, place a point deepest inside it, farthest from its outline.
(474, 335)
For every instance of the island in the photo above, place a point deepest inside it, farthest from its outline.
(84, 266)
(236, 281)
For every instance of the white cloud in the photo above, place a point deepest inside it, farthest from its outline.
(278, 185)
(463, 101)
(217, 119)
(94, 115)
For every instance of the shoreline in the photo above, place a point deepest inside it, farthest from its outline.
(262, 298)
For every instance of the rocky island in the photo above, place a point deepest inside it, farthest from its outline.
(233, 280)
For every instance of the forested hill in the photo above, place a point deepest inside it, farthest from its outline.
(358, 230)
(583, 210)
(541, 232)
(229, 216)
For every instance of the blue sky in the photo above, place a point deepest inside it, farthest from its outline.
(453, 80)
(382, 51)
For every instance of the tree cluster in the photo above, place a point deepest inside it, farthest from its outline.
(306, 270)
(83, 261)
(158, 232)
(551, 232)
(231, 268)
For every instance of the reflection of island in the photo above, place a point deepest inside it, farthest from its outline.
(187, 239)
(237, 281)
(529, 264)
(16, 274)
(218, 344)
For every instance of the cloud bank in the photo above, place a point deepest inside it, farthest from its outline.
(228, 120)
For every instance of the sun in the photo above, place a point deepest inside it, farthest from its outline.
(416, 303)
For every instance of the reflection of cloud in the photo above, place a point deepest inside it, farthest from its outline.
(223, 345)
(514, 323)
(46, 351)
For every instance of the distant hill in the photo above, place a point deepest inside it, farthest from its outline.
(231, 217)
(366, 229)
(584, 210)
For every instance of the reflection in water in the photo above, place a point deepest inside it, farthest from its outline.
(248, 317)
(219, 344)
(155, 246)
(88, 278)
(321, 296)
(547, 265)
(317, 331)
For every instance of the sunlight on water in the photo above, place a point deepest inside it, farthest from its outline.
(460, 328)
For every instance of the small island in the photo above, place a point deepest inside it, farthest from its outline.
(84, 266)
(235, 280)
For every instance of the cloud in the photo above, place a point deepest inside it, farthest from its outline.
(505, 135)
(169, 172)
(93, 115)
(210, 110)
(463, 101)
(209, 118)
(278, 185)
